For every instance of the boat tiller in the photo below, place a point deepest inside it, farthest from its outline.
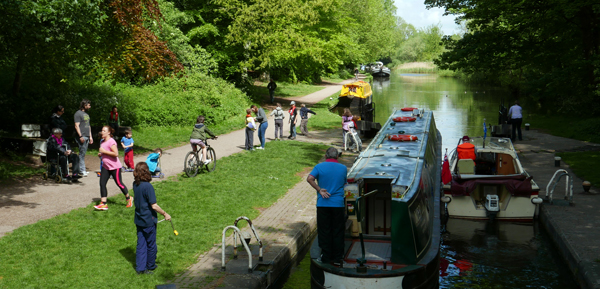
(492, 205)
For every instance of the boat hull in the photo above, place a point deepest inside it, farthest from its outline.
(517, 209)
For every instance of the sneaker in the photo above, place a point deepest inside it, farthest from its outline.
(129, 202)
(207, 161)
(149, 272)
(260, 148)
(101, 207)
(75, 176)
(84, 174)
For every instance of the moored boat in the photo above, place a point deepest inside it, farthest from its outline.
(358, 97)
(393, 207)
(489, 182)
(379, 70)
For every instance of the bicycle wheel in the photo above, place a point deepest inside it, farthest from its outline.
(190, 166)
(210, 154)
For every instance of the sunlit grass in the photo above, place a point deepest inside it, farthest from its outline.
(324, 119)
(285, 89)
(90, 249)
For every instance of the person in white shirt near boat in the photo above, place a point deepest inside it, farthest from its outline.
(516, 119)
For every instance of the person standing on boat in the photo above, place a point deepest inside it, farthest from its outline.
(271, 87)
(328, 179)
(516, 119)
(304, 111)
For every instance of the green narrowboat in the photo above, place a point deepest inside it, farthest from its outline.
(393, 208)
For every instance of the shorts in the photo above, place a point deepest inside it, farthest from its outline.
(194, 142)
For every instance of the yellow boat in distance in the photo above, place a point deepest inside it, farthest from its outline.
(358, 97)
(358, 89)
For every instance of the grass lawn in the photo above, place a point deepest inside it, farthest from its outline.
(285, 89)
(584, 165)
(324, 119)
(18, 169)
(92, 249)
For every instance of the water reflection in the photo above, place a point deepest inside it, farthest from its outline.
(480, 254)
(459, 109)
(474, 254)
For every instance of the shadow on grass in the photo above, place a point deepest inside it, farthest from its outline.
(129, 255)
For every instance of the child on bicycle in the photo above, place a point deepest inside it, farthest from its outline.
(198, 137)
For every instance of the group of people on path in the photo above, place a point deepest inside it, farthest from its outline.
(259, 122)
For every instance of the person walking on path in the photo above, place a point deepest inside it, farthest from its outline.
(84, 133)
(516, 119)
(127, 144)
(330, 177)
(304, 111)
(278, 116)
(271, 87)
(111, 166)
(250, 128)
(56, 120)
(261, 117)
(113, 120)
(292, 121)
(145, 219)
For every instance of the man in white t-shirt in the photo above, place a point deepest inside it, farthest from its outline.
(516, 119)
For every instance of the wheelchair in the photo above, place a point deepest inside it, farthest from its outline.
(53, 168)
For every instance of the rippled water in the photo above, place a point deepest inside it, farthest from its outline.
(475, 254)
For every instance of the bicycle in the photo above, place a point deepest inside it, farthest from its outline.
(193, 161)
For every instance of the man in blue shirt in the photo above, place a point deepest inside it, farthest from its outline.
(329, 178)
(516, 119)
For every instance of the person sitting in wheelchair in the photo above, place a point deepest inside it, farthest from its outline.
(58, 151)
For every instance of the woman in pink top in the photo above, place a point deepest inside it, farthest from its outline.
(346, 121)
(111, 166)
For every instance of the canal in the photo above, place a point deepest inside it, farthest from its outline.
(475, 254)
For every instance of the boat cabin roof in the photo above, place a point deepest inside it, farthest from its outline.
(358, 89)
(394, 161)
(494, 145)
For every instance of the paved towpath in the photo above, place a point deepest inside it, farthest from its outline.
(29, 201)
(575, 229)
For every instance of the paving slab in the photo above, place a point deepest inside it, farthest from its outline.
(574, 228)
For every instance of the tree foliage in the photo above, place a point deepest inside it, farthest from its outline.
(547, 51)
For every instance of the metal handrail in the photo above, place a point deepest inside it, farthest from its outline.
(568, 186)
(362, 260)
(237, 231)
(260, 244)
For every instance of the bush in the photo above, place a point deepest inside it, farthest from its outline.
(178, 101)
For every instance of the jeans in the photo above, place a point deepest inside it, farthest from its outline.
(262, 128)
(249, 144)
(82, 150)
(145, 252)
(279, 127)
(292, 129)
(330, 230)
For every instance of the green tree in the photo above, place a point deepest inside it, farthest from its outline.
(547, 51)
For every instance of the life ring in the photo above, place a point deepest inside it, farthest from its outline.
(408, 109)
(404, 119)
(402, 137)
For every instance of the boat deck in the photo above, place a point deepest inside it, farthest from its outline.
(376, 253)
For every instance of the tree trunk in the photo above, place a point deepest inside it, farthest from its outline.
(18, 74)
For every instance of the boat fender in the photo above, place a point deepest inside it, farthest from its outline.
(402, 137)
(408, 109)
(404, 119)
